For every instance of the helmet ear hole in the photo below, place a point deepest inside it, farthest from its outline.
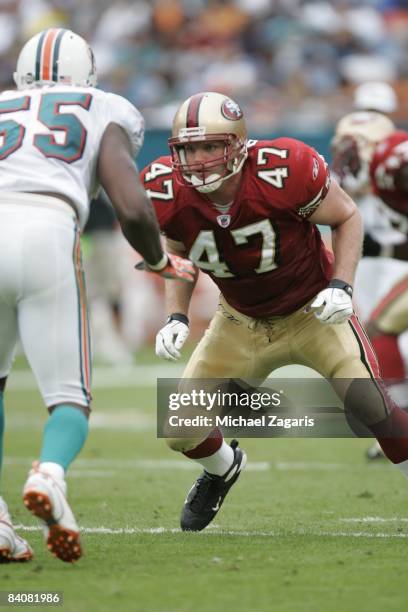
(206, 117)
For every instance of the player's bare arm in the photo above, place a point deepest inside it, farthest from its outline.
(118, 176)
(340, 212)
(178, 294)
(333, 305)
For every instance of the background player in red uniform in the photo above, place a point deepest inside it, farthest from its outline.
(389, 171)
(377, 160)
(369, 155)
(245, 212)
(389, 180)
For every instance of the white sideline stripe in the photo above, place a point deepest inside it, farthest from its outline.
(241, 534)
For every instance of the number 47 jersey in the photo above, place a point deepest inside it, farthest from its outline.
(50, 139)
(262, 251)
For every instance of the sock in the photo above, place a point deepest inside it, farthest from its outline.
(392, 435)
(64, 435)
(1, 429)
(389, 356)
(213, 454)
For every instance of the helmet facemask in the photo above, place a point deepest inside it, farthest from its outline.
(351, 157)
(353, 145)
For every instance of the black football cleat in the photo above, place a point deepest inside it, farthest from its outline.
(207, 495)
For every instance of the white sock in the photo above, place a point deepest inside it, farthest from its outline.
(219, 462)
(53, 469)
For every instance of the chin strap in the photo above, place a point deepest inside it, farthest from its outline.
(215, 182)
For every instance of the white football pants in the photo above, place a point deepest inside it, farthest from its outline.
(42, 295)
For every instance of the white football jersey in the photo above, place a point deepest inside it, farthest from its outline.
(50, 139)
(385, 225)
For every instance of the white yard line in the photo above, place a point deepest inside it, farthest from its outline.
(221, 532)
(110, 466)
(310, 465)
(375, 519)
(114, 465)
(359, 534)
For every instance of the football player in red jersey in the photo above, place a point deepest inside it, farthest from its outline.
(389, 180)
(389, 171)
(245, 212)
(370, 152)
(389, 320)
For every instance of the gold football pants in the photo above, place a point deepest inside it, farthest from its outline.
(238, 346)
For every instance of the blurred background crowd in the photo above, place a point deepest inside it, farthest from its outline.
(293, 65)
(288, 62)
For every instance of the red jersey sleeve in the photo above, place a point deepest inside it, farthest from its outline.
(309, 178)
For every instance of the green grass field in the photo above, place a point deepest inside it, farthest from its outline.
(310, 526)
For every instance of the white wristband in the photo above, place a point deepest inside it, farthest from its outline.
(159, 266)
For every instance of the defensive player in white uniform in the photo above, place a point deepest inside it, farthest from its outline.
(59, 138)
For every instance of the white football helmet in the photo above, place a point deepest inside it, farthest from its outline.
(208, 117)
(376, 96)
(55, 56)
(355, 139)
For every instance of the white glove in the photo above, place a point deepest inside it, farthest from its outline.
(333, 305)
(172, 337)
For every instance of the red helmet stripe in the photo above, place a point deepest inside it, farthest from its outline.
(46, 72)
(193, 109)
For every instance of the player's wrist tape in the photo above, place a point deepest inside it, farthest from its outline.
(337, 283)
(178, 316)
(160, 265)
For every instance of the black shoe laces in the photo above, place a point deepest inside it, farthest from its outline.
(206, 494)
(208, 488)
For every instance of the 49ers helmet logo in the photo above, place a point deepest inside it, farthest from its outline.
(231, 110)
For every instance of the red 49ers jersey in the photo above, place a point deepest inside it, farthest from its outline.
(388, 157)
(264, 255)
